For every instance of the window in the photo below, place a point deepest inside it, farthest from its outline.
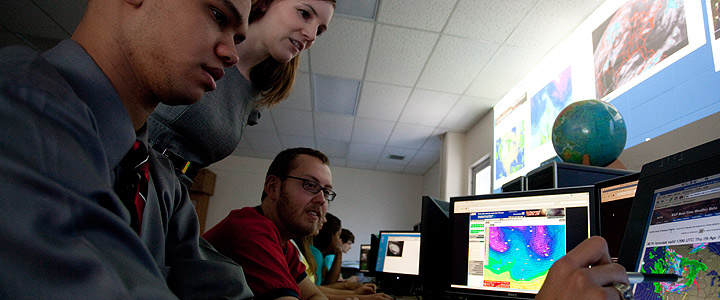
(480, 179)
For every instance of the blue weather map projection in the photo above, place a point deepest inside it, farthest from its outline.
(519, 257)
(510, 151)
(698, 263)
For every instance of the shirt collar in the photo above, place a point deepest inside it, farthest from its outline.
(94, 88)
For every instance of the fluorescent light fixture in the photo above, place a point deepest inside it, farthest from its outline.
(335, 94)
(365, 9)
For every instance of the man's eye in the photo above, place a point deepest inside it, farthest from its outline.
(220, 18)
(311, 185)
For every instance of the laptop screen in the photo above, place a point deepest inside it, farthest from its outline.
(364, 257)
(683, 237)
(674, 225)
(504, 244)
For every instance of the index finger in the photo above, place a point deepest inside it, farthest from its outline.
(591, 252)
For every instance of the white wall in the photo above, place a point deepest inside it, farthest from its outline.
(431, 182)
(367, 201)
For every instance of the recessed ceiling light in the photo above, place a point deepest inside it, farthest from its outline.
(357, 8)
(335, 94)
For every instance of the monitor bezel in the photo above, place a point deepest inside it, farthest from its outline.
(598, 195)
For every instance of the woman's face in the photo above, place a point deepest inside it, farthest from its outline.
(291, 26)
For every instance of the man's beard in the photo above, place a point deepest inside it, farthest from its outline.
(293, 226)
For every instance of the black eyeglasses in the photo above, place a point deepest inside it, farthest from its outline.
(314, 187)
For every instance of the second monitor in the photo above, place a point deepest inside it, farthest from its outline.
(504, 244)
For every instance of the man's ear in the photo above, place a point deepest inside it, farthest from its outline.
(272, 186)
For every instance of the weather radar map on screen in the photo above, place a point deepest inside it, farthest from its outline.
(684, 238)
(520, 256)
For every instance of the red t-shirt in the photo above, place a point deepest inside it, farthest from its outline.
(272, 268)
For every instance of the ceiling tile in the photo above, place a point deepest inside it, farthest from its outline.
(244, 144)
(25, 17)
(487, 20)
(396, 151)
(263, 141)
(294, 141)
(333, 126)
(409, 136)
(424, 159)
(7, 38)
(360, 164)
(434, 143)
(382, 101)
(390, 168)
(369, 131)
(265, 123)
(337, 162)
(304, 61)
(343, 49)
(454, 64)
(333, 148)
(365, 152)
(244, 152)
(293, 121)
(555, 19)
(466, 112)
(415, 170)
(504, 71)
(426, 15)
(66, 13)
(300, 97)
(427, 108)
(398, 54)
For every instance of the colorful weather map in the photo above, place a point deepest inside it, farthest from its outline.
(519, 257)
(510, 151)
(546, 104)
(699, 265)
(639, 35)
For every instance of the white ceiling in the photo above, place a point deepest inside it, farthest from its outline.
(426, 66)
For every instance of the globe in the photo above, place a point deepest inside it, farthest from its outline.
(589, 132)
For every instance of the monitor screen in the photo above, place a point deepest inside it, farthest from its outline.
(616, 198)
(399, 253)
(364, 255)
(683, 237)
(504, 244)
(435, 246)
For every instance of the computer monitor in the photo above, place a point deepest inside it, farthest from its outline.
(373, 253)
(435, 246)
(399, 253)
(674, 224)
(615, 198)
(504, 244)
(364, 255)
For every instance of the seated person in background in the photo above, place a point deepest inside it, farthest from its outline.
(357, 291)
(297, 189)
(325, 248)
(88, 211)
(348, 239)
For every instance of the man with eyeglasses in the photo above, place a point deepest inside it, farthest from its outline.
(298, 187)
